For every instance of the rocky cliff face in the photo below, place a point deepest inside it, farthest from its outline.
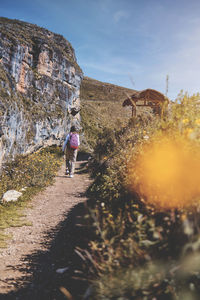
(39, 88)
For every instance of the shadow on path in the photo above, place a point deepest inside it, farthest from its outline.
(42, 279)
(83, 156)
(43, 282)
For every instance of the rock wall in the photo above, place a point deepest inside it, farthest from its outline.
(39, 88)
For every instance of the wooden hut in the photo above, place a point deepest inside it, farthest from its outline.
(149, 98)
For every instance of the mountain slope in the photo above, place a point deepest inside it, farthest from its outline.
(101, 107)
(92, 89)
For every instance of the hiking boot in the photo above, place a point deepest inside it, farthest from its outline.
(67, 172)
(71, 175)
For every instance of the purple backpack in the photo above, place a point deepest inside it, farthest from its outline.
(73, 141)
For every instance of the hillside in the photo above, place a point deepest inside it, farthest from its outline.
(101, 107)
(92, 89)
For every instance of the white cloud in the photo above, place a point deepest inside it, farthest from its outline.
(119, 15)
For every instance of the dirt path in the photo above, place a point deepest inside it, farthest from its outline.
(32, 246)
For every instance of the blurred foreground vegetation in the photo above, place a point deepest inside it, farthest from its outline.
(145, 247)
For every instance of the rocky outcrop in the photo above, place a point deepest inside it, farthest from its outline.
(39, 88)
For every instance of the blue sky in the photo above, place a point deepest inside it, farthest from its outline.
(132, 43)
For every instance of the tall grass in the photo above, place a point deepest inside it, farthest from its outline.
(29, 173)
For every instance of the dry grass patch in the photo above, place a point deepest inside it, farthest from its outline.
(34, 172)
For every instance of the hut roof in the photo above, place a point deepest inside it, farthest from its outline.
(128, 102)
(148, 94)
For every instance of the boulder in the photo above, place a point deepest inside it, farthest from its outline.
(11, 195)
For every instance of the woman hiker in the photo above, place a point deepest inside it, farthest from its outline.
(70, 149)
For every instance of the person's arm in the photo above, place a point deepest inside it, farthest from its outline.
(65, 143)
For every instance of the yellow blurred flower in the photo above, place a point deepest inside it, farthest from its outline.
(183, 217)
(185, 121)
(166, 172)
(188, 132)
(197, 122)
